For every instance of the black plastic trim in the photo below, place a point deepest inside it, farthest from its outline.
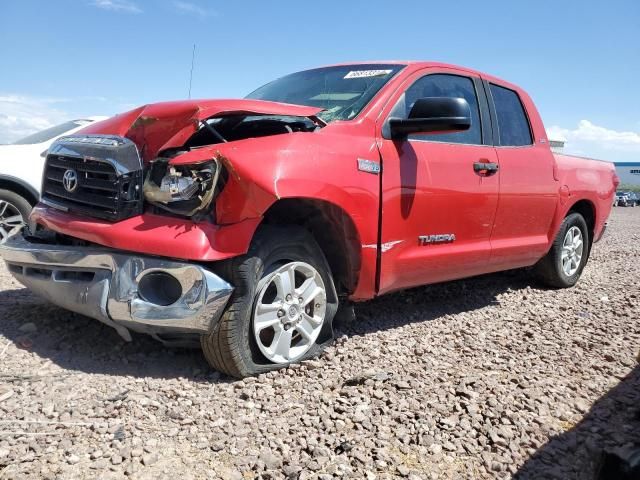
(486, 121)
(492, 112)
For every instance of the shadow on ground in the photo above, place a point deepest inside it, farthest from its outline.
(434, 301)
(595, 449)
(78, 343)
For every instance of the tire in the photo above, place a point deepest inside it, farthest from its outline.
(12, 205)
(234, 346)
(550, 270)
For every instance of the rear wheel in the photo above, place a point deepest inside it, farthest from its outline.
(282, 307)
(14, 211)
(563, 265)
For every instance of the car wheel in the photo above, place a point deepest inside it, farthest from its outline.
(14, 211)
(562, 266)
(282, 307)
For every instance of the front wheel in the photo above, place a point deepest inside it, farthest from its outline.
(563, 264)
(282, 306)
(14, 211)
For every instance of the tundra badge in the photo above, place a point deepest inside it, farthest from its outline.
(431, 239)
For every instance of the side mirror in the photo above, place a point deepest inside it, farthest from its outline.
(433, 115)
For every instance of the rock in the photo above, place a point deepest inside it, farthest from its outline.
(449, 446)
(435, 449)
(291, 470)
(403, 470)
(100, 464)
(402, 385)
(271, 461)
(48, 409)
(73, 459)
(231, 474)
(28, 327)
(6, 395)
(450, 422)
(581, 406)
(149, 459)
(370, 375)
(136, 452)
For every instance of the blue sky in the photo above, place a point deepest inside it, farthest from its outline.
(580, 61)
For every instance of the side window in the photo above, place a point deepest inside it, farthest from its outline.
(513, 125)
(442, 85)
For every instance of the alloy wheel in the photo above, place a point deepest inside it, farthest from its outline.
(10, 217)
(289, 312)
(572, 250)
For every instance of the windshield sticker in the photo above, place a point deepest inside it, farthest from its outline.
(335, 96)
(367, 73)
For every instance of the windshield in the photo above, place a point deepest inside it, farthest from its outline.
(341, 91)
(49, 133)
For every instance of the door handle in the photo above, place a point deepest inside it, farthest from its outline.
(485, 169)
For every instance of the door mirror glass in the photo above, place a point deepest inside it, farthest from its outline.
(433, 115)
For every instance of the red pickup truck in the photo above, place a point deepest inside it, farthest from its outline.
(242, 224)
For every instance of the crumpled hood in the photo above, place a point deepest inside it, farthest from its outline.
(159, 126)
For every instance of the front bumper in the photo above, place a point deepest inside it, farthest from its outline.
(103, 284)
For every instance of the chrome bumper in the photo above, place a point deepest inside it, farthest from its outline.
(103, 284)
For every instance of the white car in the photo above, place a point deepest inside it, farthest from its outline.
(21, 166)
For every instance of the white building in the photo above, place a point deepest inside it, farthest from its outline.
(629, 172)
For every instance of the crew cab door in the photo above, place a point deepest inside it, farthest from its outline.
(528, 190)
(437, 207)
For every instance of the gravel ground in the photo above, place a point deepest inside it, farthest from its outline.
(491, 377)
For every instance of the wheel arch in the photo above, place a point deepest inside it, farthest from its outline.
(588, 211)
(333, 229)
(19, 186)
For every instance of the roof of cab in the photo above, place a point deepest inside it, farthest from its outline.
(420, 64)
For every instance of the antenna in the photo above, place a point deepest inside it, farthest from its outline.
(193, 58)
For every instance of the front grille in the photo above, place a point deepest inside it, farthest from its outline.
(101, 191)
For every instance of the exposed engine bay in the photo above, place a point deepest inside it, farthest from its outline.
(239, 127)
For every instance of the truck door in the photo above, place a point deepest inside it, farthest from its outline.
(528, 190)
(438, 207)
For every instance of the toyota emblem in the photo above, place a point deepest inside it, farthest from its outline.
(70, 180)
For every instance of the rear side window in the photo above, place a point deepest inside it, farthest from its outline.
(513, 126)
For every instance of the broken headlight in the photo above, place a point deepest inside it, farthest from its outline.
(181, 189)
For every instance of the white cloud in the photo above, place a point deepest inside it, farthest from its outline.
(21, 115)
(596, 141)
(117, 6)
(193, 9)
